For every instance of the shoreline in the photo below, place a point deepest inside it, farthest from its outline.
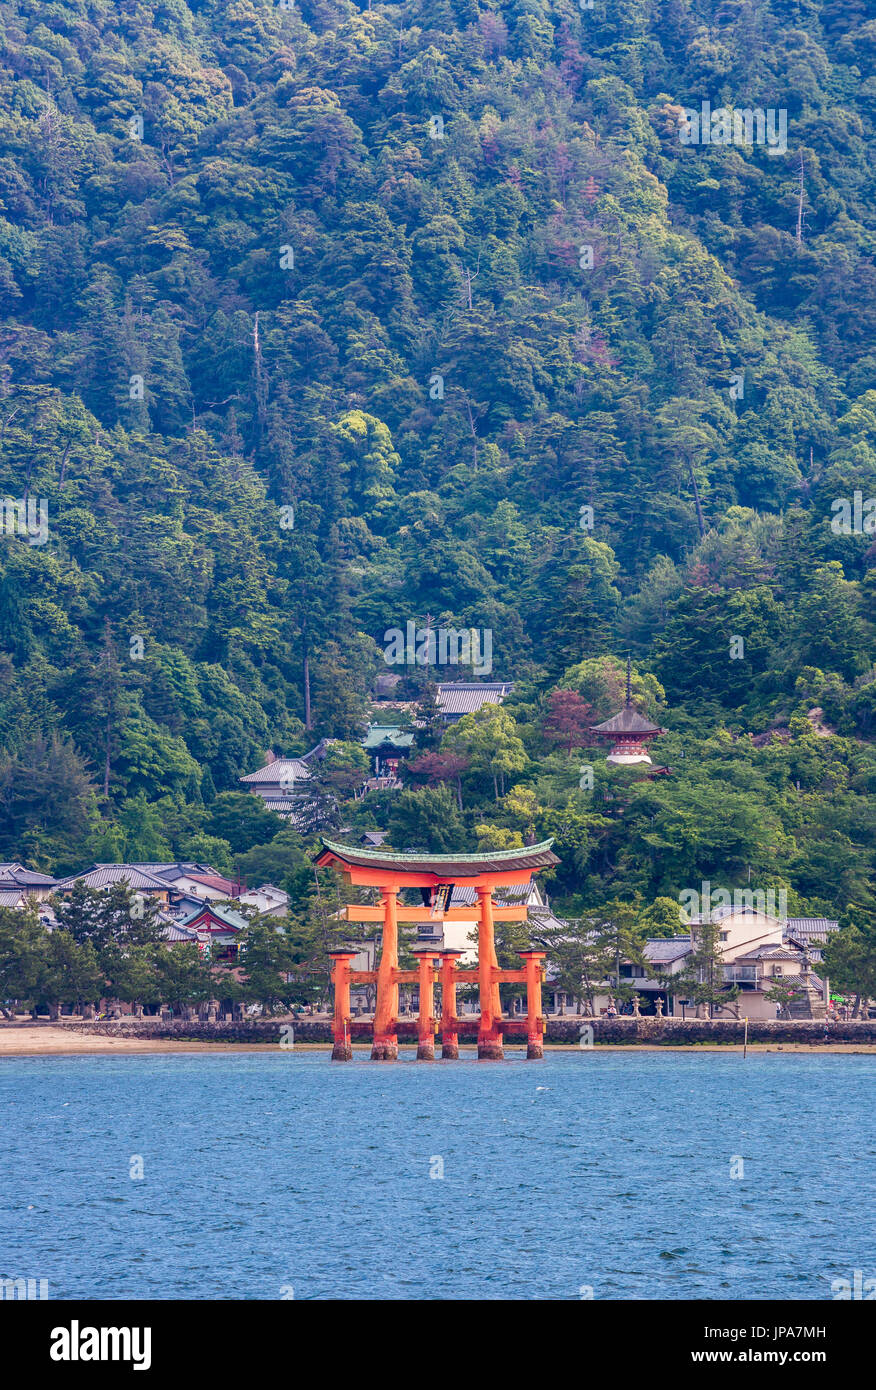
(44, 1040)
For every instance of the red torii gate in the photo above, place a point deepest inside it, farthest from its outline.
(390, 872)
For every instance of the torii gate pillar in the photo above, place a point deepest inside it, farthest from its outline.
(342, 1048)
(490, 1047)
(426, 956)
(533, 964)
(449, 1035)
(385, 1045)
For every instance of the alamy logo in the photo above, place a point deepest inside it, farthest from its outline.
(856, 1289)
(19, 517)
(709, 901)
(855, 518)
(727, 125)
(75, 1343)
(24, 1289)
(443, 646)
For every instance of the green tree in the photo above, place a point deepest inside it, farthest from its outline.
(488, 738)
(850, 956)
(427, 819)
(701, 978)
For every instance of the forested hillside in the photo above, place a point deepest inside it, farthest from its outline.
(320, 319)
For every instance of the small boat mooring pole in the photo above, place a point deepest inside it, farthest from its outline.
(745, 1044)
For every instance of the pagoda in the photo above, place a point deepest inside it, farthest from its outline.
(630, 732)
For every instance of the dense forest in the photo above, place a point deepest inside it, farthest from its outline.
(320, 319)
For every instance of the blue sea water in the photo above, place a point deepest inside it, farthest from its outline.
(598, 1171)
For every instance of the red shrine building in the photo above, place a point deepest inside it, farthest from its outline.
(435, 876)
(630, 732)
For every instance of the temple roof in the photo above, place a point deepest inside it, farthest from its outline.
(226, 915)
(451, 865)
(293, 769)
(627, 721)
(379, 734)
(457, 698)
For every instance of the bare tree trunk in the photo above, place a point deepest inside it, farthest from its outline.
(106, 765)
(474, 433)
(258, 368)
(307, 721)
(696, 493)
(64, 464)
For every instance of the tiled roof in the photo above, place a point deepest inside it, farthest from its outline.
(171, 871)
(373, 837)
(665, 949)
(11, 897)
(175, 931)
(296, 768)
(215, 881)
(104, 875)
(542, 918)
(25, 878)
(280, 771)
(811, 926)
(180, 911)
(770, 952)
(511, 895)
(627, 721)
(462, 697)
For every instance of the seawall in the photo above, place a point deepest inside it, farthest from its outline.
(649, 1032)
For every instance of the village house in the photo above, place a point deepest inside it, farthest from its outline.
(106, 875)
(275, 780)
(167, 884)
(759, 952)
(270, 901)
(196, 880)
(18, 884)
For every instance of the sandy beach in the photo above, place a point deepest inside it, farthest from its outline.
(44, 1040)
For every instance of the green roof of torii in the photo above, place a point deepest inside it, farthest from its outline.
(461, 864)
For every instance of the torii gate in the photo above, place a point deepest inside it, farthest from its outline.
(390, 872)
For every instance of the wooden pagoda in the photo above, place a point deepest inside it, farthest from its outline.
(630, 733)
(390, 873)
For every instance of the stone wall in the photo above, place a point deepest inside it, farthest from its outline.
(677, 1032)
(653, 1031)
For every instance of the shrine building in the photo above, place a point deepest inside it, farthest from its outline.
(629, 732)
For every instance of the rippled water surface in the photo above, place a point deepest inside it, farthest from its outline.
(591, 1170)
